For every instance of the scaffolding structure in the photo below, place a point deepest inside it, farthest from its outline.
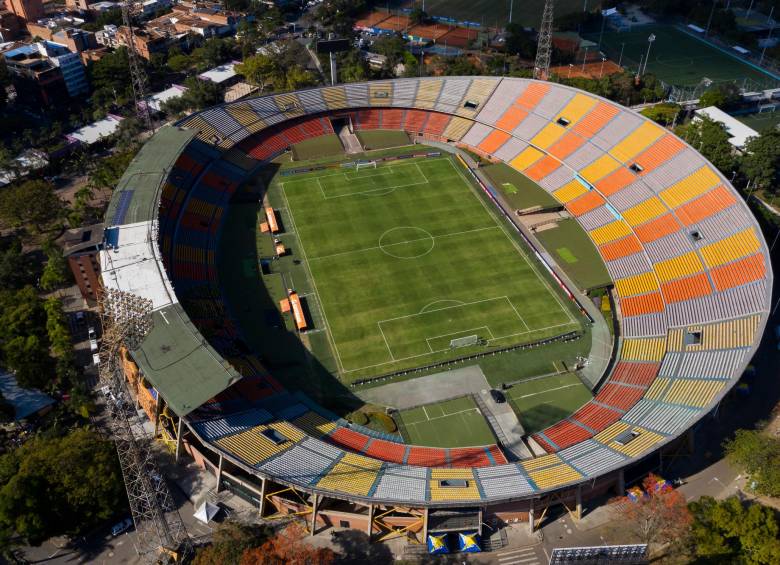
(544, 44)
(126, 320)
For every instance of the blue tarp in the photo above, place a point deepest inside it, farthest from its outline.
(26, 402)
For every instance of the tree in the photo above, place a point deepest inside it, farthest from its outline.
(259, 70)
(761, 161)
(660, 515)
(759, 455)
(418, 16)
(31, 203)
(711, 140)
(107, 171)
(179, 63)
(28, 357)
(62, 485)
(15, 267)
(722, 96)
(729, 531)
(57, 328)
(55, 272)
(665, 113)
(298, 77)
(24, 346)
(288, 548)
(229, 542)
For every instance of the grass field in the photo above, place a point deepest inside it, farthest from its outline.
(575, 253)
(406, 257)
(453, 423)
(677, 57)
(761, 122)
(543, 401)
(518, 190)
(382, 139)
(323, 146)
(495, 12)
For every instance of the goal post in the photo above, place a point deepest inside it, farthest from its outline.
(464, 341)
(365, 165)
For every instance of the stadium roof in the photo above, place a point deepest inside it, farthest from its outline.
(179, 362)
(135, 197)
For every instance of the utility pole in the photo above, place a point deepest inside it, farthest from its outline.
(137, 74)
(544, 44)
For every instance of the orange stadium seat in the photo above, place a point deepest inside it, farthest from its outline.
(386, 450)
(493, 141)
(427, 456)
(596, 417)
(566, 433)
(620, 248)
(644, 304)
(532, 95)
(659, 153)
(615, 181)
(619, 396)
(686, 288)
(392, 118)
(635, 373)
(511, 118)
(706, 205)
(742, 271)
(585, 203)
(595, 120)
(350, 439)
(497, 454)
(566, 145)
(657, 228)
(437, 123)
(542, 168)
(469, 457)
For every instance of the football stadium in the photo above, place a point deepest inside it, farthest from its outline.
(533, 289)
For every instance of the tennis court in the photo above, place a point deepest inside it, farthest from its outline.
(452, 423)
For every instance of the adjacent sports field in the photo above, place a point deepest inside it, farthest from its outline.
(453, 423)
(406, 257)
(541, 402)
(495, 12)
(677, 57)
(761, 121)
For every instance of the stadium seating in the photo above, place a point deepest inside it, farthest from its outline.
(689, 266)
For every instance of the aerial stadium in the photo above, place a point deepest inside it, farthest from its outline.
(286, 278)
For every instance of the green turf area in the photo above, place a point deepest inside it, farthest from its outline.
(541, 402)
(453, 423)
(382, 139)
(404, 258)
(761, 122)
(575, 253)
(323, 146)
(518, 190)
(494, 12)
(677, 57)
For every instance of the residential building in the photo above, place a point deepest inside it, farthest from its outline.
(96, 131)
(9, 26)
(81, 248)
(108, 36)
(27, 10)
(223, 75)
(76, 40)
(37, 80)
(147, 41)
(156, 100)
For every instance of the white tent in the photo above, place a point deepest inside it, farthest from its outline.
(206, 512)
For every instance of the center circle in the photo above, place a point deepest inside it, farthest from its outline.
(406, 242)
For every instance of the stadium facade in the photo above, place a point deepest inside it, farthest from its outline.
(691, 270)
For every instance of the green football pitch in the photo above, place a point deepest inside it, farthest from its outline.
(406, 257)
(677, 57)
(494, 12)
(540, 402)
(453, 423)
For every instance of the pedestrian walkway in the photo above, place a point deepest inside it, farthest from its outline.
(532, 555)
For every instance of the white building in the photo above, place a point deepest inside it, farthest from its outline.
(94, 132)
(738, 132)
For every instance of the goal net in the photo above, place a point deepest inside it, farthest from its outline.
(365, 165)
(464, 341)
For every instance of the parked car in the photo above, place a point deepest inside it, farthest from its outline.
(497, 396)
(122, 527)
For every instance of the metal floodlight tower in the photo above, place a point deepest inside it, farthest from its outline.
(544, 44)
(137, 74)
(126, 319)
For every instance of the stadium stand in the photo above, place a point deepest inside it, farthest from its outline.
(691, 271)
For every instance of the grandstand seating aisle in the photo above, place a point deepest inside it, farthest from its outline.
(688, 261)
